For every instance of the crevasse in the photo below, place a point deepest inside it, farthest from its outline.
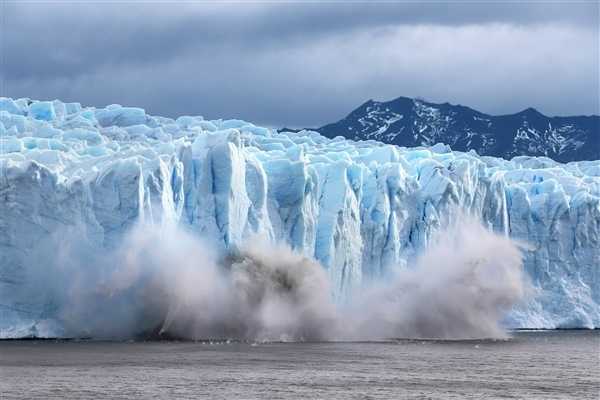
(362, 209)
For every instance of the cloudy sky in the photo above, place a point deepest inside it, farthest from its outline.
(302, 63)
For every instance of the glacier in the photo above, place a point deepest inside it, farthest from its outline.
(361, 209)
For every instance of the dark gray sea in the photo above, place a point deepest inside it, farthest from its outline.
(531, 365)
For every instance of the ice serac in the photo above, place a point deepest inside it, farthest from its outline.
(362, 209)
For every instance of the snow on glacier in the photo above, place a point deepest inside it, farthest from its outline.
(360, 208)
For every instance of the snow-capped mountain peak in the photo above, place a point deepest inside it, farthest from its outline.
(414, 122)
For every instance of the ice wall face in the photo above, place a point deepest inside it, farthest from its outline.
(362, 209)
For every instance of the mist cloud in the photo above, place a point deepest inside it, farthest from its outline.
(461, 286)
(162, 282)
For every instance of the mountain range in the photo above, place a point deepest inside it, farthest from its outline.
(412, 122)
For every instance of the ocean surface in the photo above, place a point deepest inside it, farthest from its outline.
(530, 365)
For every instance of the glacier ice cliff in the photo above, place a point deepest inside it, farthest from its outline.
(362, 209)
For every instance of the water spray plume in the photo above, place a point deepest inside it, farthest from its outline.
(164, 282)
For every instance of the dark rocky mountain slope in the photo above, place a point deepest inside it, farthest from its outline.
(412, 122)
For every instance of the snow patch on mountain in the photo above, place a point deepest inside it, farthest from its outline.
(413, 122)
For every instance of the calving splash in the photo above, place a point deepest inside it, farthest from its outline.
(165, 283)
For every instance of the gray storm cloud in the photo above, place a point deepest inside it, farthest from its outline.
(303, 64)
